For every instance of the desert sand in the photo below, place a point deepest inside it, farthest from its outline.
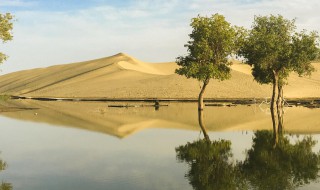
(122, 76)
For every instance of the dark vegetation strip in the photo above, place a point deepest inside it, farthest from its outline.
(245, 101)
(14, 109)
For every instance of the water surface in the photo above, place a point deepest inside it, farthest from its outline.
(72, 145)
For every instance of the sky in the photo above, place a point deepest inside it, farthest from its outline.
(50, 32)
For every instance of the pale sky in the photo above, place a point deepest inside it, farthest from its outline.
(50, 32)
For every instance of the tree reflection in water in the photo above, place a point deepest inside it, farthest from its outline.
(210, 162)
(4, 185)
(284, 166)
(210, 165)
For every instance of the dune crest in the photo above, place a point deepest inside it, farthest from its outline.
(241, 67)
(130, 63)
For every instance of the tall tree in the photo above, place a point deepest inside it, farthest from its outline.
(274, 49)
(212, 40)
(5, 31)
(304, 50)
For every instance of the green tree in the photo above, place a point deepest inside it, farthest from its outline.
(5, 31)
(274, 49)
(213, 40)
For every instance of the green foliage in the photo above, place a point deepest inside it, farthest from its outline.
(286, 166)
(267, 47)
(6, 27)
(3, 165)
(304, 50)
(4, 97)
(213, 39)
(5, 31)
(3, 185)
(210, 165)
(273, 47)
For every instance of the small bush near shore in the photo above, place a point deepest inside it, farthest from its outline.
(4, 97)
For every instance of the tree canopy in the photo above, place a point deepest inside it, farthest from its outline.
(211, 42)
(5, 31)
(267, 45)
(273, 45)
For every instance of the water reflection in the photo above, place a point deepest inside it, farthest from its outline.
(121, 122)
(4, 185)
(147, 161)
(286, 166)
(202, 126)
(210, 164)
(273, 162)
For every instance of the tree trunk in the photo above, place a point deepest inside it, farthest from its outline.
(273, 106)
(200, 99)
(202, 126)
(280, 106)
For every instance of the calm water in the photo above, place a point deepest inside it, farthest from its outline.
(138, 148)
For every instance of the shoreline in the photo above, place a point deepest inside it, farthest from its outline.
(245, 101)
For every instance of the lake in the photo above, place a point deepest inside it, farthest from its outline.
(88, 145)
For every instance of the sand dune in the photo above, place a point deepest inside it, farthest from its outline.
(122, 76)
